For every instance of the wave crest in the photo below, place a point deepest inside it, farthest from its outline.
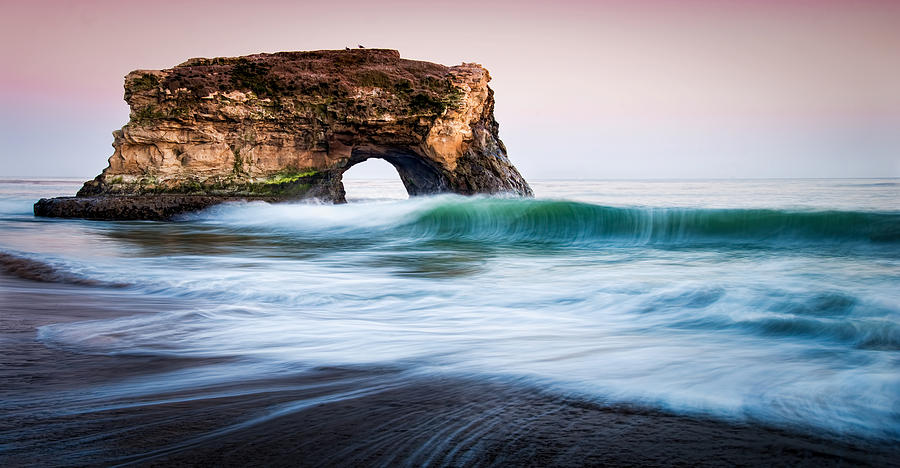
(568, 221)
(563, 222)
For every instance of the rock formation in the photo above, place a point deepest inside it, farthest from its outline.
(287, 125)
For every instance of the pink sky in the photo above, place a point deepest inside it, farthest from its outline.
(585, 89)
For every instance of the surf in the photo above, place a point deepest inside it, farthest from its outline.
(561, 222)
(743, 309)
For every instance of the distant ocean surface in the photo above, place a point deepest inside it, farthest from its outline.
(774, 301)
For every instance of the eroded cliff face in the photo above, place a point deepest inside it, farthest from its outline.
(288, 125)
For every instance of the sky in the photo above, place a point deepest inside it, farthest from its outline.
(585, 89)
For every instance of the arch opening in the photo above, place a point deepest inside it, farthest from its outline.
(417, 175)
(373, 179)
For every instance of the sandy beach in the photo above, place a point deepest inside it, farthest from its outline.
(341, 416)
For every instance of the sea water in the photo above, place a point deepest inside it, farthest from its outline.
(774, 301)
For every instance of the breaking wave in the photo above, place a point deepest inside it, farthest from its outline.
(566, 222)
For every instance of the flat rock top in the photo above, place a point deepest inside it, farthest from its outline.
(333, 73)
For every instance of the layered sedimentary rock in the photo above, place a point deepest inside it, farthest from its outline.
(287, 125)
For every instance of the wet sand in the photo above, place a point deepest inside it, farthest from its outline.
(335, 416)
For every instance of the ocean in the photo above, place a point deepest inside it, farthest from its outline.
(773, 303)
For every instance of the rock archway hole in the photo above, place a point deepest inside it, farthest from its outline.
(371, 180)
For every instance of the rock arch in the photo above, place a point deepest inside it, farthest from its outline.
(287, 125)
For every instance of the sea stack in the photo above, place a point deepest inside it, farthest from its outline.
(286, 126)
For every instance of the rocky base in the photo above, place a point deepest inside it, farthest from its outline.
(139, 207)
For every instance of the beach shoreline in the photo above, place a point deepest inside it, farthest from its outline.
(337, 416)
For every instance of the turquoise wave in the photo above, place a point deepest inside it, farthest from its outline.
(575, 222)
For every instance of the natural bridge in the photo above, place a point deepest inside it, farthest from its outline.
(286, 126)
